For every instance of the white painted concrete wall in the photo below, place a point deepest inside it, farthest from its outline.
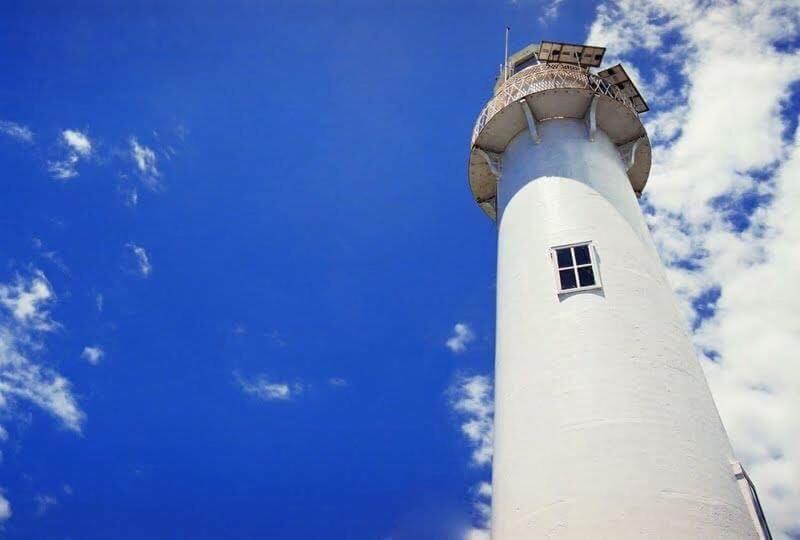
(604, 424)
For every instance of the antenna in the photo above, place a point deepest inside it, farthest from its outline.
(505, 56)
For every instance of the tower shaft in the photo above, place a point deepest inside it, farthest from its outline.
(604, 422)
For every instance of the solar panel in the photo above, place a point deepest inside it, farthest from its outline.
(571, 53)
(617, 76)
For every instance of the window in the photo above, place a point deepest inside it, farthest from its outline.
(575, 267)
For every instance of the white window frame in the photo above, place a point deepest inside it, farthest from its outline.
(575, 266)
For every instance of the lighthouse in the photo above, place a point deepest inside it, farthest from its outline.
(605, 426)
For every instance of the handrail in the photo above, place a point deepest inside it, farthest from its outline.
(541, 77)
(762, 519)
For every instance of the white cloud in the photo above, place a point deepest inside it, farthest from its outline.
(98, 302)
(27, 299)
(64, 169)
(21, 378)
(77, 141)
(24, 317)
(146, 162)
(79, 147)
(261, 387)
(471, 397)
(5, 508)
(720, 145)
(462, 334)
(482, 504)
(132, 197)
(485, 490)
(550, 11)
(337, 381)
(142, 259)
(16, 131)
(93, 355)
(477, 534)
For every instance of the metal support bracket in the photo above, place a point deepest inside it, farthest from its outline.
(634, 149)
(628, 152)
(532, 128)
(591, 118)
(493, 161)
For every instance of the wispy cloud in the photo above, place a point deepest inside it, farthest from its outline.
(16, 131)
(482, 504)
(5, 507)
(731, 241)
(44, 503)
(550, 11)
(50, 255)
(142, 259)
(64, 169)
(78, 141)
(131, 197)
(93, 355)
(27, 300)
(24, 318)
(239, 329)
(277, 338)
(338, 381)
(79, 146)
(471, 397)
(472, 400)
(263, 388)
(462, 335)
(146, 162)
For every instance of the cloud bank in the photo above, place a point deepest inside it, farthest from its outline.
(472, 399)
(722, 204)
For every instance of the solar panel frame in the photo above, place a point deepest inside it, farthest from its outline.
(565, 53)
(617, 76)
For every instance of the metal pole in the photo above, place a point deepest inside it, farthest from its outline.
(505, 57)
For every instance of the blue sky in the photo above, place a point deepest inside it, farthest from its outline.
(238, 238)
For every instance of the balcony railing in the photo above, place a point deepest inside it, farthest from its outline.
(543, 77)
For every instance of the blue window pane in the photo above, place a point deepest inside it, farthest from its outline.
(586, 276)
(567, 278)
(582, 255)
(564, 257)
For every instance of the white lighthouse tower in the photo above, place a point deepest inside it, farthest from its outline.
(604, 423)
